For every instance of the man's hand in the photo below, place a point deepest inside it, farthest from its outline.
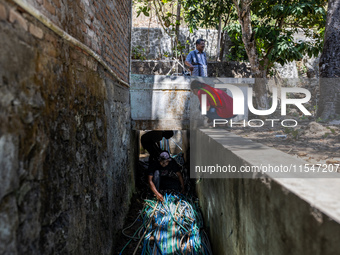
(159, 197)
(191, 67)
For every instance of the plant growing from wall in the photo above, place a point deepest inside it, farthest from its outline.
(168, 14)
(138, 53)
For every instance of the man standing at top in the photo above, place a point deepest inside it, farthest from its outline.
(197, 60)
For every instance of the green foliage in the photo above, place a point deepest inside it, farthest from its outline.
(207, 14)
(331, 129)
(274, 23)
(215, 14)
(319, 120)
(138, 53)
(178, 49)
(162, 9)
(237, 52)
(142, 6)
(166, 54)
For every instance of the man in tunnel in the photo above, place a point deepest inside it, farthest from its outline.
(150, 142)
(162, 175)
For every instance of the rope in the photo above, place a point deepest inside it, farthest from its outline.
(145, 229)
(177, 227)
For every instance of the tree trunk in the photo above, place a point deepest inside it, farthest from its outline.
(218, 50)
(329, 104)
(222, 43)
(178, 20)
(248, 38)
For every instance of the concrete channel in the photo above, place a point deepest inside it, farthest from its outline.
(247, 213)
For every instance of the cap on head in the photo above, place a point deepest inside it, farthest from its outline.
(164, 156)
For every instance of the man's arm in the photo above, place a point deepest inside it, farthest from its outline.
(180, 178)
(188, 61)
(191, 67)
(154, 190)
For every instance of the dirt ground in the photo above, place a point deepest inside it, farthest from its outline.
(312, 141)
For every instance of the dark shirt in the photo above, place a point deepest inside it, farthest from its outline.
(152, 136)
(166, 172)
(168, 177)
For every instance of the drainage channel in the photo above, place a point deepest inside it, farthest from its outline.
(267, 213)
(170, 225)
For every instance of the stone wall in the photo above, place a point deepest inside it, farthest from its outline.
(102, 25)
(66, 145)
(156, 43)
(215, 69)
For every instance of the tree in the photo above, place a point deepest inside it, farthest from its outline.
(267, 34)
(329, 63)
(210, 14)
(168, 13)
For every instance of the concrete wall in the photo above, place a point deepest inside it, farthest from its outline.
(66, 145)
(268, 215)
(160, 102)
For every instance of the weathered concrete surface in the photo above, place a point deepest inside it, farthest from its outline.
(161, 102)
(270, 215)
(66, 145)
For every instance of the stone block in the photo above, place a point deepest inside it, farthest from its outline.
(49, 7)
(36, 31)
(8, 164)
(15, 17)
(83, 28)
(8, 226)
(57, 3)
(3, 12)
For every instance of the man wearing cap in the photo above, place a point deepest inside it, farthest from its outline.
(161, 175)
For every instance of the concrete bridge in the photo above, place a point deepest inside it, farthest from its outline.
(165, 102)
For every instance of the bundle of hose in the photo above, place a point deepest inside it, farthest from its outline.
(177, 227)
